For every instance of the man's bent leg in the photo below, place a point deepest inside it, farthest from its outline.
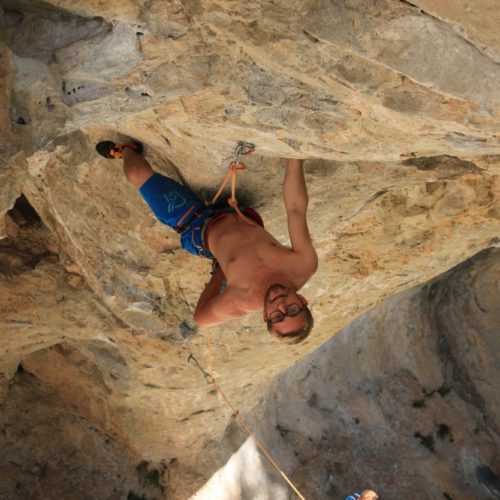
(171, 202)
(136, 168)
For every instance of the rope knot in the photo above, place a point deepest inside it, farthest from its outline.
(236, 165)
(243, 148)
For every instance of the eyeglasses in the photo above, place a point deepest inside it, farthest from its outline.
(291, 310)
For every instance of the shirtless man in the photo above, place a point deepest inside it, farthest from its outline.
(261, 274)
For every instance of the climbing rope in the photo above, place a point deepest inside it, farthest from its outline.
(209, 378)
(209, 330)
(243, 148)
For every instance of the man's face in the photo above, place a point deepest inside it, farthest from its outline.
(283, 299)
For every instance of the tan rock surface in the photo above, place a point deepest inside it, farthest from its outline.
(49, 450)
(395, 110)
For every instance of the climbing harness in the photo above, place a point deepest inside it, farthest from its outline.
(242, 149)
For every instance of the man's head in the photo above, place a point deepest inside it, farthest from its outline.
(286, 314)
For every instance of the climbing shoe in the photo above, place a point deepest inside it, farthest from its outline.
(113, 150)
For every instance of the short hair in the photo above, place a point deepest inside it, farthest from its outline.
(296, 336)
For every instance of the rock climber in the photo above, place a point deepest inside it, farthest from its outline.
(260, 273)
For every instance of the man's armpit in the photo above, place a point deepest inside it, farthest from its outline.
(217, 311)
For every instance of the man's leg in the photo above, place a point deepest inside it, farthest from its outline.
(173, 204)
(136, 168)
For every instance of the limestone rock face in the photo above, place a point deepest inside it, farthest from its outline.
(45, 441)
(394, 106)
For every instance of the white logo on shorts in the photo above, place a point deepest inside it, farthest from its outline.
(174, 200)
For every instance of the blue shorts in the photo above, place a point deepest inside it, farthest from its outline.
(179, 208)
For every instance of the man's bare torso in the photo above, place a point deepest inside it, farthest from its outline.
(248, 256)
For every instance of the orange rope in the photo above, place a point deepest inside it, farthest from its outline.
(210, 359)
(234, 168)
(246, 426)
(210, 379)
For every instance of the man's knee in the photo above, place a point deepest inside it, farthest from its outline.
(137, 174)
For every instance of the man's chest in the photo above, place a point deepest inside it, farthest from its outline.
(253, 262)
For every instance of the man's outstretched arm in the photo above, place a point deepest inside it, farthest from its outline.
(296, 201)
(294, 187)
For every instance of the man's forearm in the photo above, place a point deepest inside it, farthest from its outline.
(294, 186)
